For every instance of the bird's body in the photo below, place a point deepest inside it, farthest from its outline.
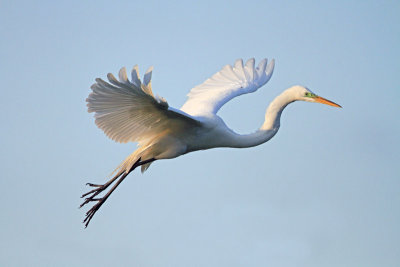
(126, 110)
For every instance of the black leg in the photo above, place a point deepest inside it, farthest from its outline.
(100, 188)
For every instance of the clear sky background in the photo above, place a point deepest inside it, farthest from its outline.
(325, 191)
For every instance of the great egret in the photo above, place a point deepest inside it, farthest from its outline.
(128, 111)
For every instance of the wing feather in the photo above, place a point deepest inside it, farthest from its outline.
(128, 111)
(208, 97)
(147, 77)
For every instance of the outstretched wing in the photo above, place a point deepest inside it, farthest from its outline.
(208, 97)
(128, 111)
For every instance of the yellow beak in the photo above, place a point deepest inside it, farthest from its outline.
(322, 100)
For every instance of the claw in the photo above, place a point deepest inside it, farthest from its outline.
(94, 185)
(92, 191)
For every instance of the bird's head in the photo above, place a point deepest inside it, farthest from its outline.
(304, 94)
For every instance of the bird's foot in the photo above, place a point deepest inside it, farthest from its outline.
(92, 198)
(90, 213)
(94, 192)
(91, 195)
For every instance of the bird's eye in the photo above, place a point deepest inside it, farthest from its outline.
(308, 94)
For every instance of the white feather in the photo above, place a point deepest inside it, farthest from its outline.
(207, 98)
(128, 111)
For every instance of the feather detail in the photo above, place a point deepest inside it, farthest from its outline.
(128, 111)
(207, 98)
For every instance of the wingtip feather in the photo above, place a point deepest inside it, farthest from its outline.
(250, 70)
(147, 76)
(123, 77)
(270, 67)
(135, 76)
(238, 63)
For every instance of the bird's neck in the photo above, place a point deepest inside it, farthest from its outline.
(274, 110)
(270, 126)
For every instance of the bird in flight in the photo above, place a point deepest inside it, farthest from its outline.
(128, 111)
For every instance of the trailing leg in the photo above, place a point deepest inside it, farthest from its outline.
(120, 176)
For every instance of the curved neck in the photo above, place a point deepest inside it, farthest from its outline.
(270, 126)
(274, 110)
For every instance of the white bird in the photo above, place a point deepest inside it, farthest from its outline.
(128, 111)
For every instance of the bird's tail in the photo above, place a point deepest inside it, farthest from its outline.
(126, 165)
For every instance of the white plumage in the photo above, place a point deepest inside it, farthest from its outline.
(208, 97)
(127, 111)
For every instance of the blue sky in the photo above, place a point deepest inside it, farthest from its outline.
(325, 191)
